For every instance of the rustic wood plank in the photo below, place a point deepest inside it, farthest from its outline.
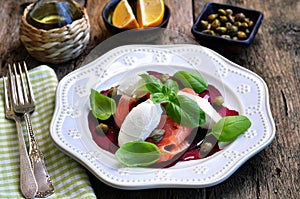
(181, 16)
(10, 48)
(98, 29)
(274, 55)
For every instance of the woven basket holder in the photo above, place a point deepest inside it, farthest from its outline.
(56, 45)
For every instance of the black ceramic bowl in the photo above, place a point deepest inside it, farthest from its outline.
(110, 7)
(222, 44)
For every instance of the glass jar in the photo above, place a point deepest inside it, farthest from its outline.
(50, 14)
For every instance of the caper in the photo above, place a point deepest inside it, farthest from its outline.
(157, 135)
(244, 25)
(231, 18)
(222, 11)
(112, 92)
(240, 17)
(228, 24)
(247, 20)
(209, 32)
(101, 128)
(204, 24)
(223, 19)
(241, 35)
(164, 77)
(238, 23)
(212, 17)
(229, 12)
(209, 26)
(233, 30)
(206, 147)
(215, 24)
(221, 30)
(218, 101)
(226, 36)
(247, 31)
(251, 24)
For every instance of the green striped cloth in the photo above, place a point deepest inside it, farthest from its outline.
(69, 178)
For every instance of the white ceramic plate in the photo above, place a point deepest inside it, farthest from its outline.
(242, 89)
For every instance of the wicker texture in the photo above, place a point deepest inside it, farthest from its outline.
(55, 45)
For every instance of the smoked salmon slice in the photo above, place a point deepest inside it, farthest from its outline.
(173, 141)
(125, 105)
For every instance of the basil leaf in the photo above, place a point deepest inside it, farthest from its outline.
(186, 112)
(229, 128)
(153, 84)
(102, 106)
(170, 87)
(138, 154)
(159, 98)
(192, 80)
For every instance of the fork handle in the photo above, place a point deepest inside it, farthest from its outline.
(28, 184)
(45, 186)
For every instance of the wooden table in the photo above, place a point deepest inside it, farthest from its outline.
(274, 55)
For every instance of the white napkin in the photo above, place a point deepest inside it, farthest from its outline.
(69, 178)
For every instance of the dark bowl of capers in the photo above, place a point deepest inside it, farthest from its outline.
(226, 28)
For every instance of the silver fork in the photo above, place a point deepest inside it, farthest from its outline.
(24, 103)
(28, 183)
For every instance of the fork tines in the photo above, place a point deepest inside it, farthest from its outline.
(22, 90)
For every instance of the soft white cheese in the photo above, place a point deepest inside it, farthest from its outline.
(140, 122)
(211, 115)
(133, 86)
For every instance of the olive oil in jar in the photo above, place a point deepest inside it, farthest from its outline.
(50, 14)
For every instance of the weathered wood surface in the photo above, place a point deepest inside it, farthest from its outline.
(274, 55)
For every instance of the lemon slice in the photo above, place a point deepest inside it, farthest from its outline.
(150, 13)
(123, 16)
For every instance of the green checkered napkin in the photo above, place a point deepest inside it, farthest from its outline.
(69, 178)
